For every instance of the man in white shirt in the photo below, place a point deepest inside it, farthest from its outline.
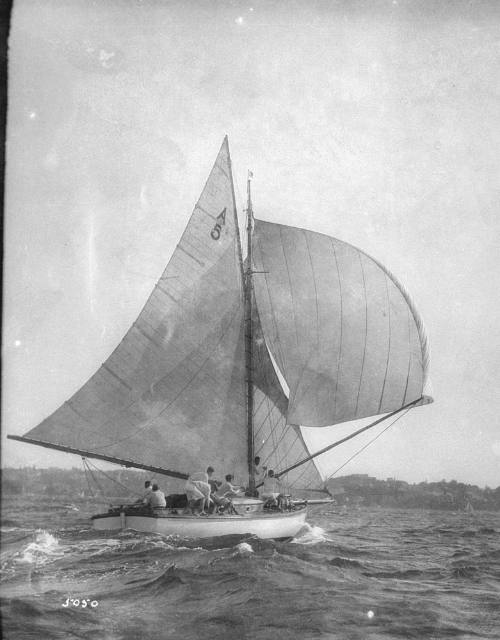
(271, 489)
(197, 491)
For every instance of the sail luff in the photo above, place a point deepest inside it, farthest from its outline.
(236, 222)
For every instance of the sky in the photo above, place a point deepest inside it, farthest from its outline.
(375, 122)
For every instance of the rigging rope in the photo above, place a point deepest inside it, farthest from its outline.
(87, 468)
(366, 445)
(113, 480)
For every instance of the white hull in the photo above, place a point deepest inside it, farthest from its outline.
(264, 525)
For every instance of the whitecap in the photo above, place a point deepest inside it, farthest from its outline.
(244, 549)
(44, 547)
(310, 535)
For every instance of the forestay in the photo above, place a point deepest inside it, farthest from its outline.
(172, 394)
(342, 330)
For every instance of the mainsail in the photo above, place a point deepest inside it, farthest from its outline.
(172, 394)
(342, 330)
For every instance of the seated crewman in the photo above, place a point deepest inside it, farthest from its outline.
(228, 490)
(147, 490)
(156, 499)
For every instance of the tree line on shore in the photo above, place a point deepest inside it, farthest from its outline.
(357, 489)
(449, 495)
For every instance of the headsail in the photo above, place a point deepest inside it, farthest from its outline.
(341, 328)
(172, 393)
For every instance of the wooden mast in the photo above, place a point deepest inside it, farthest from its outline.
(248, 289)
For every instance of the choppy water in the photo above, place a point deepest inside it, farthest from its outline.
(367, 574)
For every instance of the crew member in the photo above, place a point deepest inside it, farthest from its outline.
(198, 492)
(259, 471)
(271, 489)
(218, 502)
(156, 498)
(228, 490)
(145, 494)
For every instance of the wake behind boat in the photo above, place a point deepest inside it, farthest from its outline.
(197, 378)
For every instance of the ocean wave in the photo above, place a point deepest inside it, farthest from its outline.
(344, 562)
(487, 530)
(407, 574)
(465, 571)
(10, 525)
(417, 582)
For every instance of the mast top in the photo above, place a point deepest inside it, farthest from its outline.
(249, 197)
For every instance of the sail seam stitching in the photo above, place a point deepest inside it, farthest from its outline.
(166, 293)
(147, 336)
(290, 286)
(115, 375)
(409, 356)
(339, 356)
(207, 213)
(276, 340)
(388, 345)
(202, 264)
(366, 333)
(305, 391)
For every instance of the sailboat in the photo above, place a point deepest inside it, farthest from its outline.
(232, 358)
(469, 508)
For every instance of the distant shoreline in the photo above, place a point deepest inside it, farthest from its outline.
(349, 491)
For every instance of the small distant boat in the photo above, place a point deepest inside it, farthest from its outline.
(199, 379)
(469, 508)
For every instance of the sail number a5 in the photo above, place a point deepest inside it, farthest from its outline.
(221, 221)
